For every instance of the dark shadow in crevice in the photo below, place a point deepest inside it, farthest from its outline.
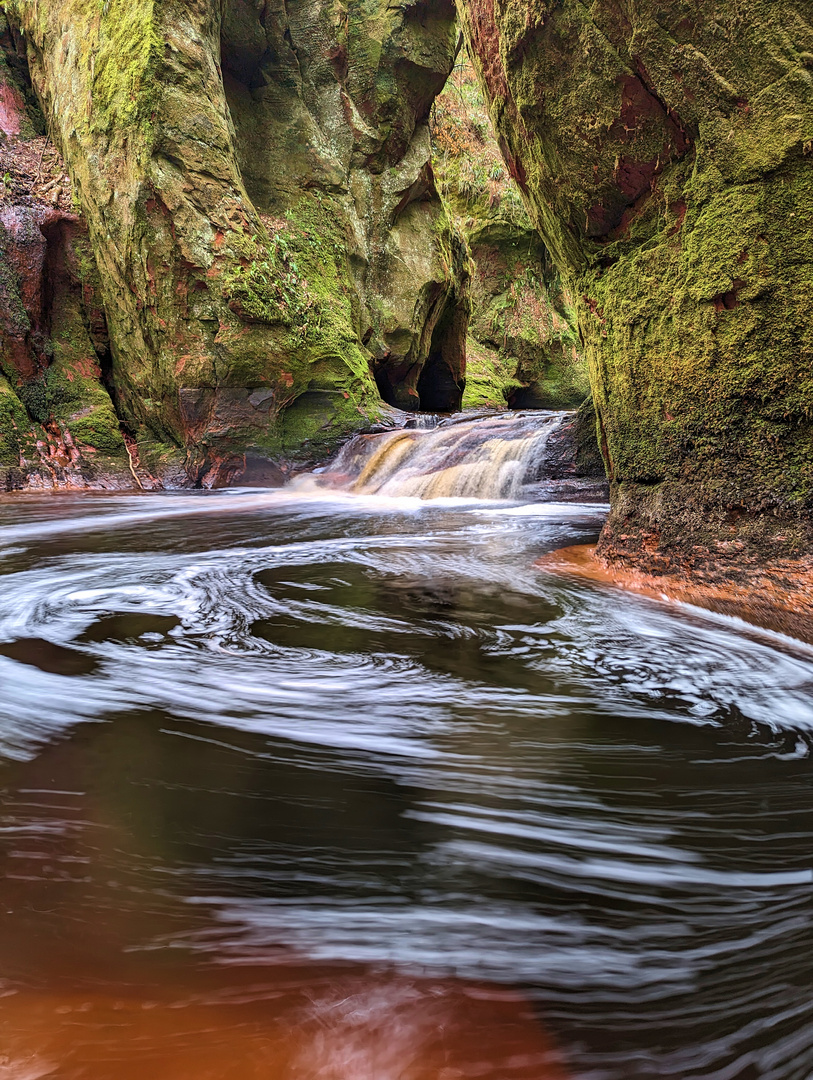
(385, 387)
(441, 384)
(438, 389)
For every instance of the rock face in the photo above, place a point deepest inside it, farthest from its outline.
(523, 347)
(523, 320)
(58, 427)
(664, 152)
(272, 252)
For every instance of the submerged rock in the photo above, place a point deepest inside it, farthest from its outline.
(664, 155)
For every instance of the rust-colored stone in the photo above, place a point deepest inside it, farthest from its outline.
(776, 596)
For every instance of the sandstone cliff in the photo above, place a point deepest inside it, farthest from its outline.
(58, 426)
(269, 245)
(523, 346)
(664, 153)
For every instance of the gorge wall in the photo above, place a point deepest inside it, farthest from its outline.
(664, 153)
(58, 426)
(253, 253)
(523, 346)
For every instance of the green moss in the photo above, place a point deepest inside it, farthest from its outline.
(667, 166)
(15, 317)
(176, 166)
(122, 48)
(14, 425)
(471, 174)
(312, 427)
(490, 377)
(160, 458)
(72, 392)
(298, 278)
(589, 460)
(523, 333)
(98, 429)
(703, 338)
(266, 285)
(34, 399)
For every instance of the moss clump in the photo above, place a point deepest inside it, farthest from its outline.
(35, 400)
(120, 53)
(14, 425)
(72, 393)
(100, 430)
(316, 423)
(294, 278)
(266, 284)
(490, 377)
(79, 402)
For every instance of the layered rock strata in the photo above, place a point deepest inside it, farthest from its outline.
(273, 256)
(664, 153)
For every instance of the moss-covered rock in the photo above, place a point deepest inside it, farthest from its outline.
(523, 345)
(663, 151)
(522, 311)
(261, 207)
(59, 425)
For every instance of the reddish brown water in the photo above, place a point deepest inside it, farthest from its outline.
(303, 1023)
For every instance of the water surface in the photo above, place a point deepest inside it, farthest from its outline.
(319, 785)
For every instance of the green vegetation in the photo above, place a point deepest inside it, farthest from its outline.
(471, 172)
(14, 423)
(523, 346)
(266, 285)
(490, 377)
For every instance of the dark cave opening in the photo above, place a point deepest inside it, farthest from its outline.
(438, 384)
(387, 388)
(438, 390)
(443, 377)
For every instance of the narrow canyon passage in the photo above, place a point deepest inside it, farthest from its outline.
(313, 783)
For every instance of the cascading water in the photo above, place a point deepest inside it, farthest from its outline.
(485, 458)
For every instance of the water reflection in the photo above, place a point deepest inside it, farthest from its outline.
(313, 786)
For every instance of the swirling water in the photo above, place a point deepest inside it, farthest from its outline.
(293, 781)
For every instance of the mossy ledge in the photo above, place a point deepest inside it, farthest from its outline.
(664, 154)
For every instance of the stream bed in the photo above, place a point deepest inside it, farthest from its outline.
(306, 784)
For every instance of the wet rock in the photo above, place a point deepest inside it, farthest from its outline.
(665, 161)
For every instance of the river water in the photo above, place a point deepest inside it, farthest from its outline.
(320, 783)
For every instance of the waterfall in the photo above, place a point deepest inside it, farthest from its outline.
(484, 458)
